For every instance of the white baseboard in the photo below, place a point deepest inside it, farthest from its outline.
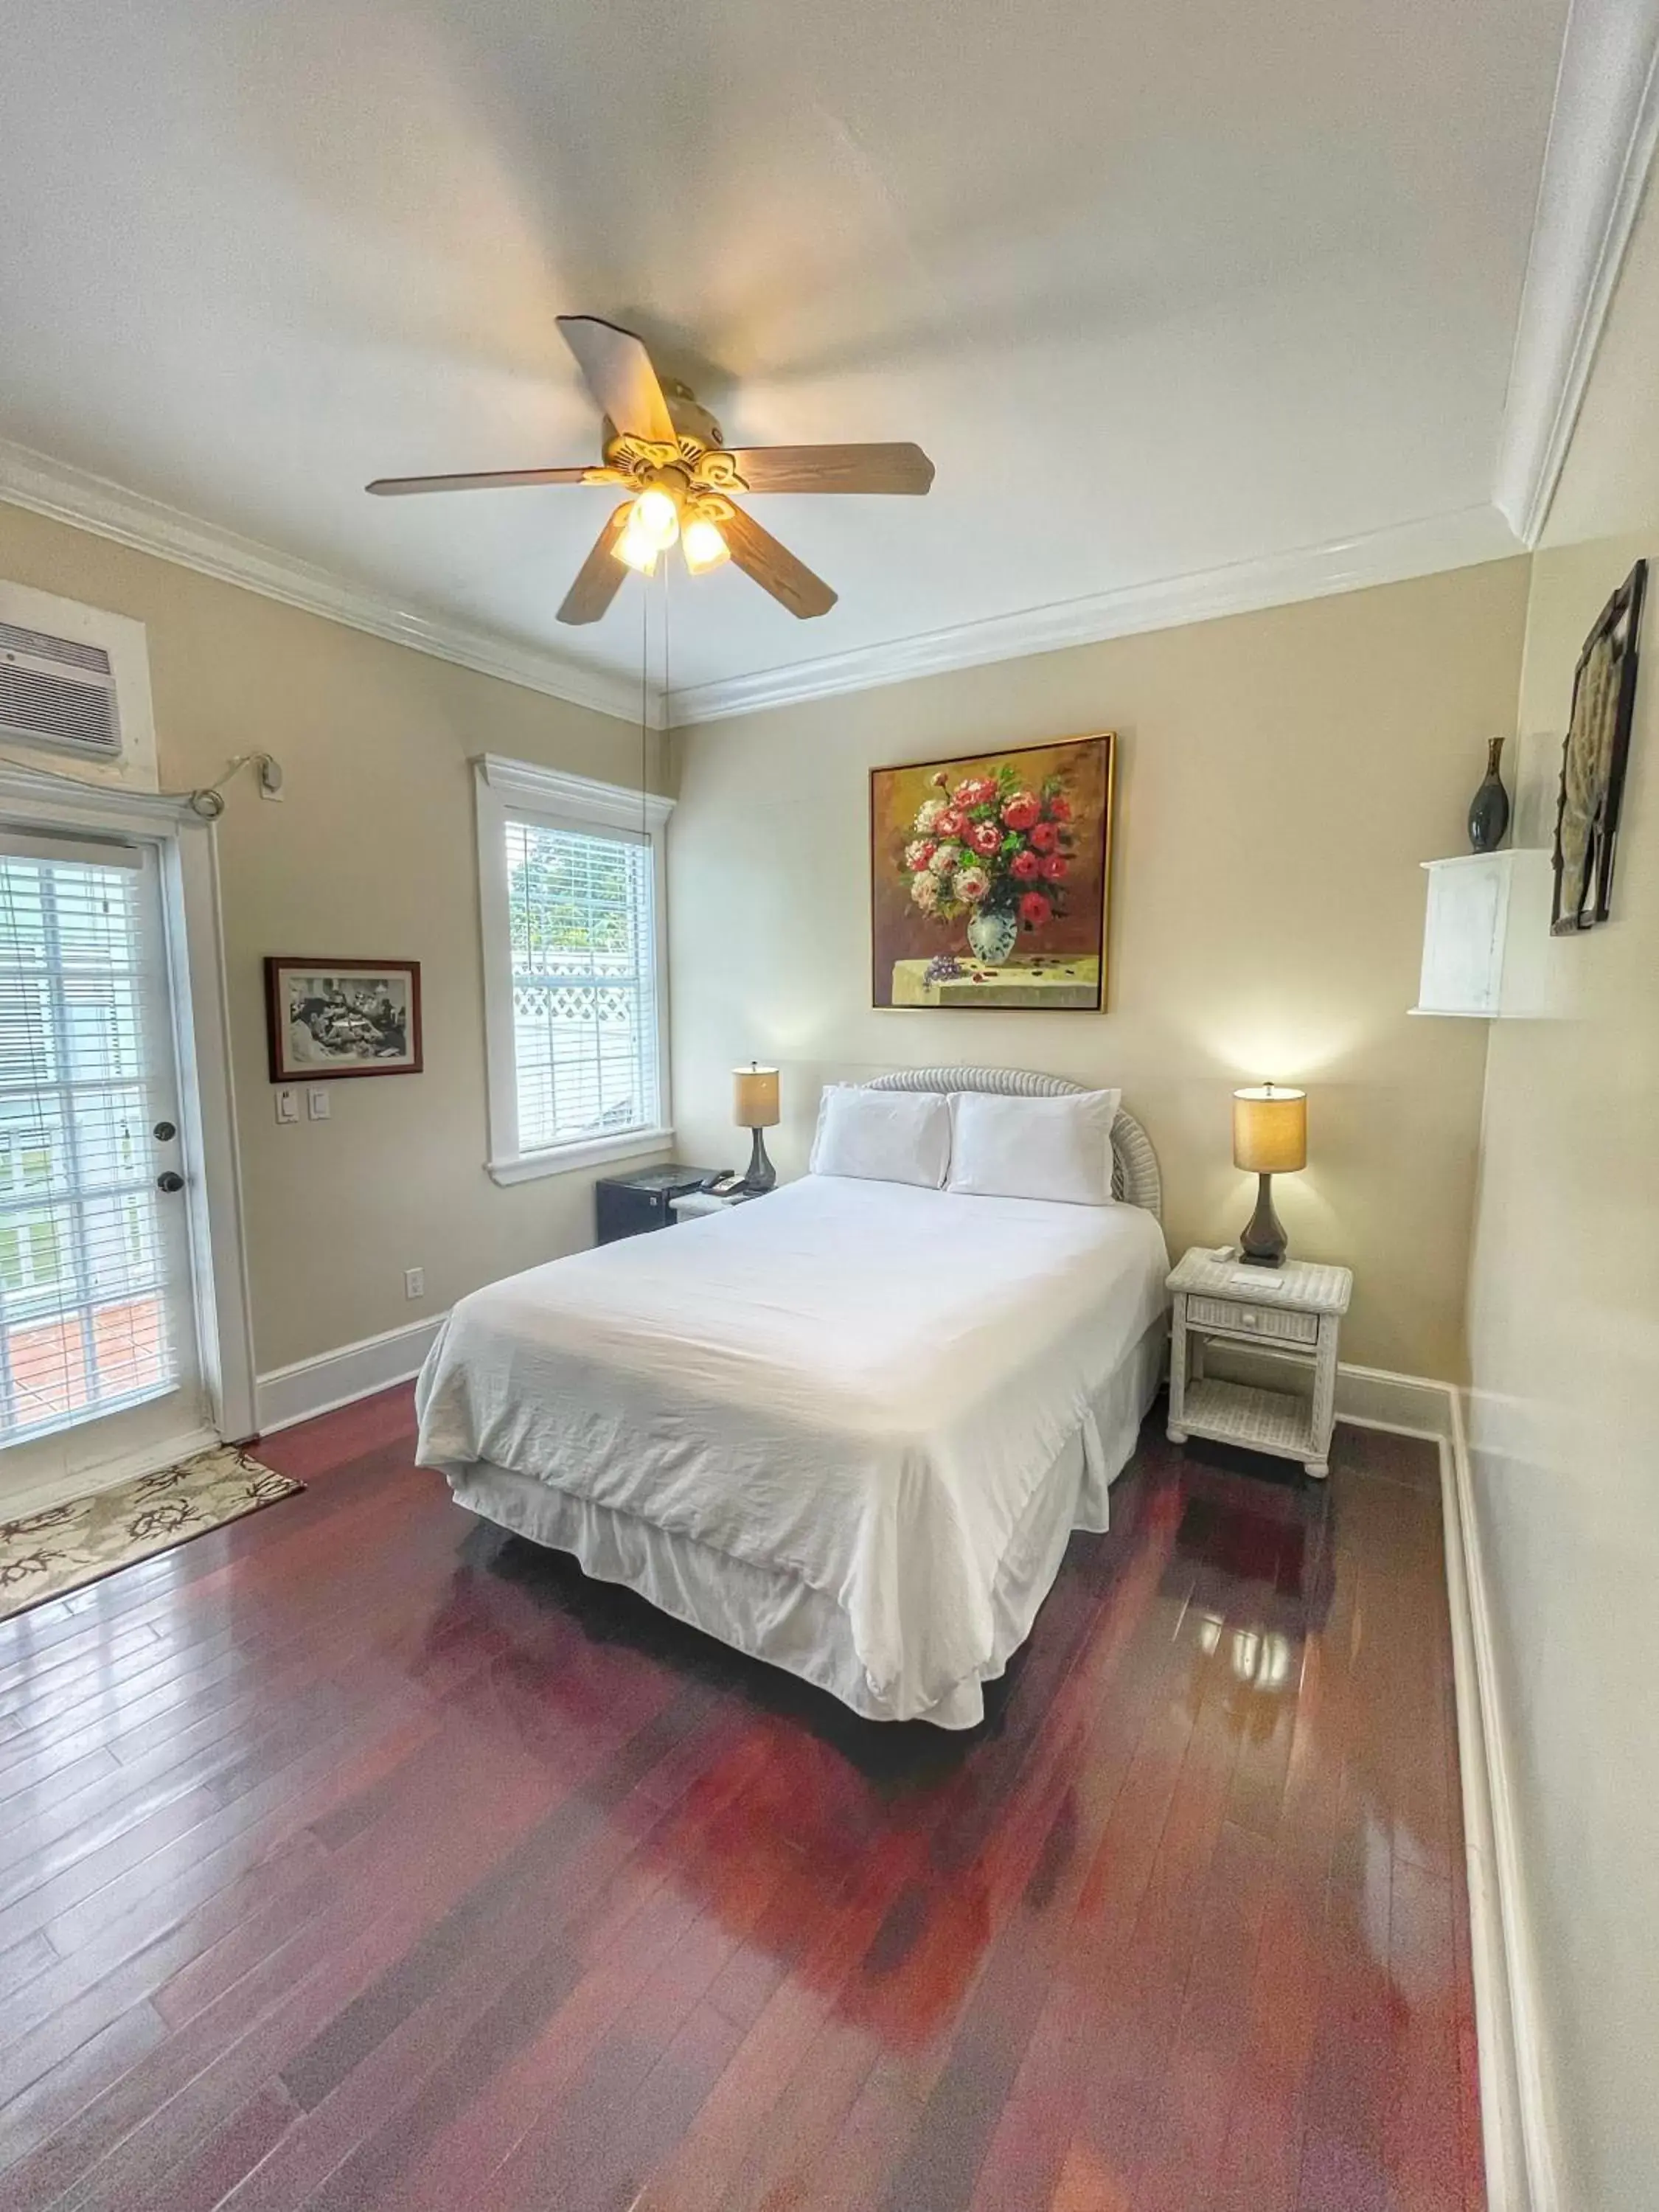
(1514, 2110)
(309, 1387)
(89, 1481)
(1368, 1397)
(1409, 1405)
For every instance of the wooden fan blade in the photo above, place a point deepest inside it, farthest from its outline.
(834, 468)
(775, 568)
(600, 576)
(492, 480)
(617, 371)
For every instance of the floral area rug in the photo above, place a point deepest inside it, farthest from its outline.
(59, 1549)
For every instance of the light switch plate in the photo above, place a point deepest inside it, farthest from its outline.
(319, 1104)
(288, 1103)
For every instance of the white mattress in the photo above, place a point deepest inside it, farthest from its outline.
(868, 1390)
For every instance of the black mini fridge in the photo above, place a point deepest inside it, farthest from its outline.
(628, 1204)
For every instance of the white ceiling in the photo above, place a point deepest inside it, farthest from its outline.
(1160, 288)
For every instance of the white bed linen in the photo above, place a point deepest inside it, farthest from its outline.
(862, 1385)
(773, 1615)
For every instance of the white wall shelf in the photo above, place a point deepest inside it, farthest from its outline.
(1487, 935)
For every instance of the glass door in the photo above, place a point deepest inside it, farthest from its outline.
(99, 1360)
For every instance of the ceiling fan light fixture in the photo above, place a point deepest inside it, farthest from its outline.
(702, 545)
(656, 516)
(634, 549)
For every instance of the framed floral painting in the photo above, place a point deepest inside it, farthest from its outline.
(989, 878)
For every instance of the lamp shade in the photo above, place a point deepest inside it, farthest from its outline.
(754, 1098)
(1270, 1130)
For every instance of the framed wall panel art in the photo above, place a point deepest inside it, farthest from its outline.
(989, 877)
(1593, 761)
(334, 1017)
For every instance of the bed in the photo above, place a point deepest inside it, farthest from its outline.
(848, 1429)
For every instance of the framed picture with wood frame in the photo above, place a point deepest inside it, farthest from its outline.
(989, 877)
(1593, 761)
(328, 1018)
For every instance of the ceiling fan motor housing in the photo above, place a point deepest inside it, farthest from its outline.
(689, 417)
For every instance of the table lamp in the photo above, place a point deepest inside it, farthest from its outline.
(755, 1106)
(1270, 1138)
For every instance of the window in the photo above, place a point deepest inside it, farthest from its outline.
(584, 984)
(570, 876)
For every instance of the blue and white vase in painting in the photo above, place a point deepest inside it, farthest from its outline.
(991, 935)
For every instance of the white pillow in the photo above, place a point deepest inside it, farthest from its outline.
(1034, 1147)
(885, 1136)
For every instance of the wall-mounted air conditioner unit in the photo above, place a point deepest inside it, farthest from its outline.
(75, 690)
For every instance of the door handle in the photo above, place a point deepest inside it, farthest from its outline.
(169, 1182)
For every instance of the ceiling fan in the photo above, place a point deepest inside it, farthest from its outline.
(670, 454)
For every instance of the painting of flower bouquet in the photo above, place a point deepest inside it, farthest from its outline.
(989, 875)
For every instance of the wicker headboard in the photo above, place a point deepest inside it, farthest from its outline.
(1135, 1177)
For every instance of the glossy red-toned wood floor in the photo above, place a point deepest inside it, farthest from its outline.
(356, 1856)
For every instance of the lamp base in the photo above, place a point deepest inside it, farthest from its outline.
(761, 1175)
(1264, 1242)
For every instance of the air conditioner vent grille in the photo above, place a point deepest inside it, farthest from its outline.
(59, 692)
(69, 650)
(74, 693)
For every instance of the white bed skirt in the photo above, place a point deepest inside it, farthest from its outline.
(773, 1615)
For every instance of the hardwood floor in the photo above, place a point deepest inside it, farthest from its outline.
(356, 1856)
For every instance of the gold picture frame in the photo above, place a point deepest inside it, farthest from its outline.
(990, 879)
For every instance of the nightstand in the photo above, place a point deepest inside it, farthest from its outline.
(1295, 1310)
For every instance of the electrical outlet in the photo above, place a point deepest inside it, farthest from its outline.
(319, 1104)
(414, 1282)
(288, 1103)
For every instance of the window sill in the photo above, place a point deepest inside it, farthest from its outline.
(564, 1159)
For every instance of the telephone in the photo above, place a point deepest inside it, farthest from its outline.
(725, 1183)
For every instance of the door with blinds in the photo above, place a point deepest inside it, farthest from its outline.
(99, 1358)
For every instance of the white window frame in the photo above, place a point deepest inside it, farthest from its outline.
(510, 790)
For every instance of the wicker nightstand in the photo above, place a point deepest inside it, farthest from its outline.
(1295, 1310)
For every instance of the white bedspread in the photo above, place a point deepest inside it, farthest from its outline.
(860, 1383)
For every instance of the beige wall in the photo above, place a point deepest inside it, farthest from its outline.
(1564, 1323)
(372, 851)
(1281, 775)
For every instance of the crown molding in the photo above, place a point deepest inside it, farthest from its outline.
(1602, 132)
(1458, 540)
(63, 493)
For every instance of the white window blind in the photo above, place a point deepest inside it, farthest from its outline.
(84, 1325)
(583, 950)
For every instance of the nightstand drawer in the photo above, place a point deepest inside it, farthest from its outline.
(1255, 1321)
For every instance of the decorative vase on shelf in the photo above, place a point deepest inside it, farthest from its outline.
(1489, 810)
(992, 934)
